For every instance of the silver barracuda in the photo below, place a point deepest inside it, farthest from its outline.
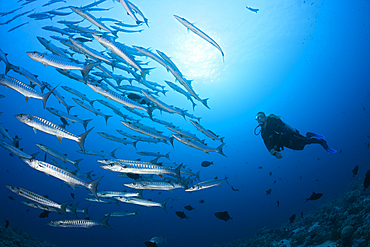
(119, 98)
(57, 154)
(5, 134)
(24, 89)
(48, 127)
(198, 145)
(97, 153)
(61, 62)
(77, 93)
(16, 151)
(81, 223)
(185, 133)
(117, 139)
(123, 214)
(198, 32)
(60, 98)
(135, 89)
(109, 105)
(161, 104)
(51, 47)
(129, 10)
(110, 194)
(92, 109)
(38, 199)
(150, 54)
(90, 52)
(39, 206)
(167, 155)
(182, 91)
(29, 76)
(102, 200)
(139, 138)
(207, 132)
(168, 61)
(63, 175)
(120, 51)
(207, 184)
(137, 10)
(143, 168)
(69, 117)
(92, 19)
(154, 185)
(147, 131)
(56, 29)
(143, 202)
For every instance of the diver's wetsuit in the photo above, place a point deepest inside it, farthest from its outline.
(278, 135)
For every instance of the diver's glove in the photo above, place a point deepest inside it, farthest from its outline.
(276, 154)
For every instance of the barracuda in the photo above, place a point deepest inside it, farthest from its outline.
(198, 145)
(69, 117)
(51, 47)
(92, 109)
(81, 223)
(38, 199)
(119, 98)
(61, 62)
(124, 214)
(182, 91)
(208, 133)
(17, 151)
(207, 184)
(143, 202)
(129, 10)
(29, 76)
(77, 93)
(162, 105)
(92, 19)
(24, 89)
(150, 185)
(58, 154)
(89, 51)
(198, 32)
(150, 54)
(63, 175)
(109, 194)
(139, 138)
(117, 139)
(148, 132)
(120, 51)
(143, 168)
(48, 127)
(185, 133)
(97, 153)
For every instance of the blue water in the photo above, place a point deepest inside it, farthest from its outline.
(306, 61)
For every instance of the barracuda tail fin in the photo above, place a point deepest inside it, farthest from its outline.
(63, 208)
(134, 144)
(34, 155)
(219, 149)
(85, 123)
(86, 211)
(171, 141)
(145, 72)
(81, 139)
(45, 97)
(74, 210)
(204, 102)
(93, 185)
(177, 170)
(106, 118)
(104, 222)
(163, 204)
(86, 70)
(76, 162)
(69, 107)
(113, 153)
(168, 155)
(88, 175)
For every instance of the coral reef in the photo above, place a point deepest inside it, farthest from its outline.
(15, 237)
(343, 221)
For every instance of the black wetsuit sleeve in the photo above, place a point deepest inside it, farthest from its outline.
(271, 135)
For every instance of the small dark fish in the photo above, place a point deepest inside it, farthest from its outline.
(73, 195)
(268, 192)
(270, 173)
(234, 189)
(189, 207)
(11, 198)
(260, 167)
(201, 201)
(16, 141)
(206, 163)
(252, 9)
(45, 157)
(316, 180)
(223, 216)
(44, 214)
(181, 215)
(314, 196)
(354, 171)
(302, 215)
(11, 155)
(367, 180)
(278, 203)
(150, 244)
(27, 210)
(292, 218)
(82, 39)
(340, 151)
(275, 182)
(6, 223)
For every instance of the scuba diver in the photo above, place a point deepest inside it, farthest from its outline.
(276, 135)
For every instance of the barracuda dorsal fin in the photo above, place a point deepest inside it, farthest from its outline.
(60, 139)
(160, 175)
(34, 130)
(72, 185)
(26, 98)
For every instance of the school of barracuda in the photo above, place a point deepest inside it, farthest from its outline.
(138, 101)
